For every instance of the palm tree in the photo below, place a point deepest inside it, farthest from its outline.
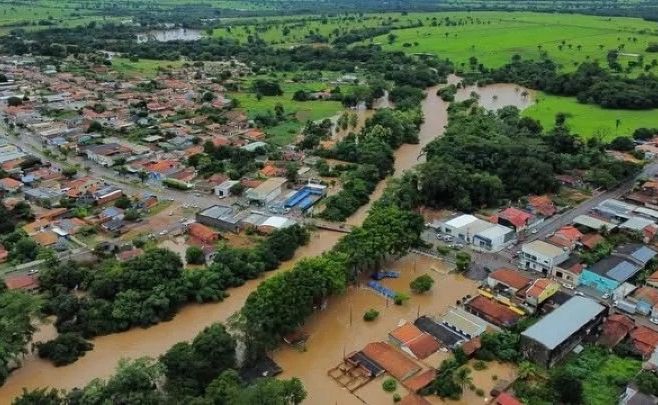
(462, 377)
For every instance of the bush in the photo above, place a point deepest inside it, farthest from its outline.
(66, 348)
(479, 365)
(479, 392)
(400, 298)
(443, 250)
(194, 255)
(422, 284)
(389, 385)
(397, 398)
(370, 315)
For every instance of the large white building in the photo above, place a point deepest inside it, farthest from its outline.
(470, 229)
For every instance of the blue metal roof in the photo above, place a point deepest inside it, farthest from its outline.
(622, 271)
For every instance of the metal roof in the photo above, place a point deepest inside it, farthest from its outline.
(638, 252)
(615, 268)
(593, 223)
(461, 221)
(567, 319)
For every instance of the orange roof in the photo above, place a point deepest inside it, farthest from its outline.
(423, 346)
(567, 235)
(202, 232)
(34, 227)
(648, 294)
(511, 278)
(507, 399)
(615, 329)
(472, 346)
(8, 182)
(644, 339)
(220, 141)
(391, 360)
(653, 277)
(21, 282)
(493, 311)
(420, 381)
(52, 213)
(193, 150)
(517, 217)
(160, 166)
(413, 399)
(591, 240)
(269, 171)
(542, 204)
(45, 238)
(538, 287)
(129, 254)
(406, 332)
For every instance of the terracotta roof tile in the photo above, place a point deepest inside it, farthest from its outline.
(420, 381)
(511, 278)
(406, 332)
(423, 346)
(391, 360)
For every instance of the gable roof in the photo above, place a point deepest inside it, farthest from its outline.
(497, 312)
(615, 329)
(647, 294)
(406, 332)
(391, 360)
(644, 340)
(423, 346)
(515, 216)
(510, 277)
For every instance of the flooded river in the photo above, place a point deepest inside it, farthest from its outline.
(330, 330)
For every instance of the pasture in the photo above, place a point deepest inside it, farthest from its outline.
(588, 120)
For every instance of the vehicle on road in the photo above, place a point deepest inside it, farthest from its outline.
(163, 233)
(534, 231)
(33, 271)
(578, 293)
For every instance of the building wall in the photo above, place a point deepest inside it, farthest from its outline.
(217, 223)
(597, 281)
(566, 276)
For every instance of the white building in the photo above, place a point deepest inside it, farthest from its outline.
(494, 238)
(224, 190)
(541, 256)
(470, 229)
(267, 191)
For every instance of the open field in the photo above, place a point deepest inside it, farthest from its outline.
(589, 120)
(144, 67)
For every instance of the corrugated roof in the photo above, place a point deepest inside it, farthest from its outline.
(563, 322)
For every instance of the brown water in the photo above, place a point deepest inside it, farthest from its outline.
(496, 96)
(340, 329)
(108, 350)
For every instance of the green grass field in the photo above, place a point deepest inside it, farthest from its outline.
(146, 68)
(589, 120)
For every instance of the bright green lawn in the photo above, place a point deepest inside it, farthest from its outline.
(589, 120)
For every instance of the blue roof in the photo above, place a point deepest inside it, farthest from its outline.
(622, 271)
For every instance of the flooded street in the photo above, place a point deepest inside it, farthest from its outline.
(331, 331)
(108, 350)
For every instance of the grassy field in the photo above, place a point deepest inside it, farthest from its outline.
(146, 68)
(589, 120)
(298, 111)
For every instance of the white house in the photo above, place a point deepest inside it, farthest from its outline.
(541, 256)
(224, 190)
(494, 238)
(480, 233)
(267, 191)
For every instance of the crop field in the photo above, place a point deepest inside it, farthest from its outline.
(589, 120)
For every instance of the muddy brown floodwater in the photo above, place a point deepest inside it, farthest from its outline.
(330, 330)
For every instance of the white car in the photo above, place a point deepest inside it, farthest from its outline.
(163, 233)
(534, 231)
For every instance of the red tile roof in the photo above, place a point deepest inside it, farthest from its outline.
(511, 278)
(567, 236)
(406, 332)
(413, 399)
(515, 216)
(648, 294)
(493, 311)
(644, 340)
(394, 362)
(472, 346)
(129, 254)
(423, 346)
(615, 329)
(10, 183)
(538, 287)
(202, 232)
(542, 204)
(420, 381)
(591, 240)
(22, 282)
(507, 399)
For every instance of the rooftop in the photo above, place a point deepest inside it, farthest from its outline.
(567, 319)
(497, 312)
(394, 362)
(543, 248)
(510, 277)
(461, 221)
(217, 211)
(615, 268)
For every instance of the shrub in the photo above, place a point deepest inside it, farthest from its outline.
(389, 385)
(194, 255)
(422, 284)
(66, 348)
(400, 298)
(479, 365)
(479, 392)
(370, 315)
(397, 398)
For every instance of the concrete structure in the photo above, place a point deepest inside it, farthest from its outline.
(267, 191)
(107, 154)
(609, 273)
(568, 272)
(541, 290)
(470, 229)
(43, 196)
(219, 216)
(555, 335)
(494, 238)
(224, 190)
(541, 256)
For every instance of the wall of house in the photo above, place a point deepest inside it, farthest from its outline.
(597, 281)
(566, 276)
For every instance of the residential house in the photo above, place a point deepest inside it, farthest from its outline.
(514, 218)
(541, 206)
(541, 256)
(566, 237)
(420, 381)
(646, 300)
(540, 290)
(644, 341)
(106, 154)
(104, 195)
(224, 189)
(413, 341)
(44, 197)
(614, 330)
(568, 272)
(395, 363)
(652, 280)
(440, 331)
(45, 238)
(610, 272)
(591, 240)
(555, 335)
(633, 396)
(26, 282)
(202, 233)
(509, 279)
(492, 311)
(9, 185)
(129, 254)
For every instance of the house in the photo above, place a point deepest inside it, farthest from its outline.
(615, 329)
(202, 233)
(440, 331)
(652, 280)
(540, 290)
(470, 229)
(26, 282)
(541, 256)
(591, 240)
(413, 399)
(465, 324)
(505, 398)
(568, 272)
(220, 217)
(555, 335)
(395, 363)
(566, 237)
(105, 195)
(541, 205)
(10, 185)
(413, 341)
(594, 222)
(509, 279)
(420, 381)
(632, 396)
(609, 273)
(266, 192)
(644, 341)
(615, 210)
(514, 218)
(44, 197)
(224, 189)
(106, 154)
(492, 311)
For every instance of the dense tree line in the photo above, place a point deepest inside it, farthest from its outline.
(590, 83)
(485, 158)
(147, 289)
(282, 303)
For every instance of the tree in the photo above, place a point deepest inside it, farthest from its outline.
(16, 312)
(421, 284)
(41, 396)
(14, 101)
(292, 169)
(622, 143)
(66, 348)
(123, 202)
(462, 377)
(207, 97)
(94, 126)
(463, 261)
(69, 171)
(569, 389)
(195, 255)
